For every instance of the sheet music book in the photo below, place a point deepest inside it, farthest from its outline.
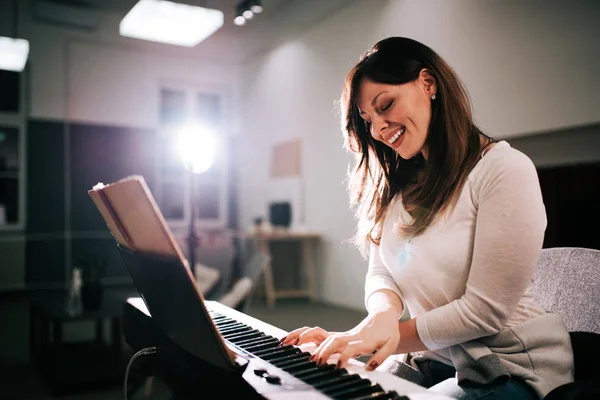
(133, 217)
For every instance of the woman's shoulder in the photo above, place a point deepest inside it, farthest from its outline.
(501, 162)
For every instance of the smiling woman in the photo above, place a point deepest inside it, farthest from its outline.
(453, 224)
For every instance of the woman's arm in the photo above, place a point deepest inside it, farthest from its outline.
(508, 239)
(381, 291)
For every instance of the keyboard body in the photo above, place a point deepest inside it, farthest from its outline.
(265, 369)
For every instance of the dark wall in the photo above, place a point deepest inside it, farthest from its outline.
(571, 196)
(63, 163)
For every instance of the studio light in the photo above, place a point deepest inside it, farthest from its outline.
(245, 10)
(13, 53)
(168, 22)
(256, 7)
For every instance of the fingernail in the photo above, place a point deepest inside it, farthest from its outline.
(283, 339)
(373, 365)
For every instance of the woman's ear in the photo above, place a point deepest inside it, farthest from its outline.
(428, 82)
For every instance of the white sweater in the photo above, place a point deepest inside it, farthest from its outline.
(469, 275)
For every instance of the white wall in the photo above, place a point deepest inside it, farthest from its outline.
(530, 67)
(99, 77)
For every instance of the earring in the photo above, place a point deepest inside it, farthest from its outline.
(433, 97)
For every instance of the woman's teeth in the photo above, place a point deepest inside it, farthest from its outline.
(397, 135)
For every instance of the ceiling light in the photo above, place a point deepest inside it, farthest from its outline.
(256, 7)
(248, 14)
(168, 22)
(13, 53)
(239, 20)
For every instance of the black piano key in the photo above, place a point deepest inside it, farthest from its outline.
(322, 369)
(234, 335)
(359, 388)
(254, 340)
(301, 365)
(335, 381)
(320, 375)
(380, 395)
(277, 352)
(243, 336)
(226, 323)
(286, 360)
(250, 343)
(238, 329)
(262, 346)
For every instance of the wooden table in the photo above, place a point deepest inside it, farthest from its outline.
(308, 241)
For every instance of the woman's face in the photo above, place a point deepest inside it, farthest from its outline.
(398, 115)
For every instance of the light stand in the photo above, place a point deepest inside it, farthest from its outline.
(192, 236)
(197, 147)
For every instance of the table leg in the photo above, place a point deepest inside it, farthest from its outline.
(269, 285)
(309, 268)
(34, 337)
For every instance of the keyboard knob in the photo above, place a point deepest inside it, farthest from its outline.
(260, 372)
(274, 379)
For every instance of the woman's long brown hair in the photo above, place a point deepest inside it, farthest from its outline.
(453, 142)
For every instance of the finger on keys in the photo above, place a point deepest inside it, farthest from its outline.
(352, 350)
(316, 335)
(332, 345)
(380, 355)
(293, 335)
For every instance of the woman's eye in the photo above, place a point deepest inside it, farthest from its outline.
(387, 106)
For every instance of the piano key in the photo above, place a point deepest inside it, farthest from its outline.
(279, 351)
(336, 381)
(321, 375)
(380, 395)
(238, 329)
(361, 387)
(255, 340)
(262, 346)
(322, 370)
(235, 339)
(281, 362)
(233, 336)
(300, 366)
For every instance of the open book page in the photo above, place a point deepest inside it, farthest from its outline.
(134, 218)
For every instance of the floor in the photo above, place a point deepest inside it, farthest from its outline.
(18, 380)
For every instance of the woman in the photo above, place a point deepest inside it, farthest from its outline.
(453, 224)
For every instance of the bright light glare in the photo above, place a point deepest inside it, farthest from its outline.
(239, 20)
(13, 53)
(196, 146)
(248, 14)
(169, 22)
(256, 9)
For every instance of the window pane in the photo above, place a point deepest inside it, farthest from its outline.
(208, 109)
(172, 106)
(172, 199)
(208, 200)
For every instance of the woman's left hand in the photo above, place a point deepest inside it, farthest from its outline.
(378, 333)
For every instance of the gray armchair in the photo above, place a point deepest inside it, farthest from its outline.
(567, 282)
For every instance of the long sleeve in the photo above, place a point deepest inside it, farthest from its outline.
(378, 277)
(509, 232)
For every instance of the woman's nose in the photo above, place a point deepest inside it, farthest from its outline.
(377, 127)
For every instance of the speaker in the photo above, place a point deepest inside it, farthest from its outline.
(280, 214)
